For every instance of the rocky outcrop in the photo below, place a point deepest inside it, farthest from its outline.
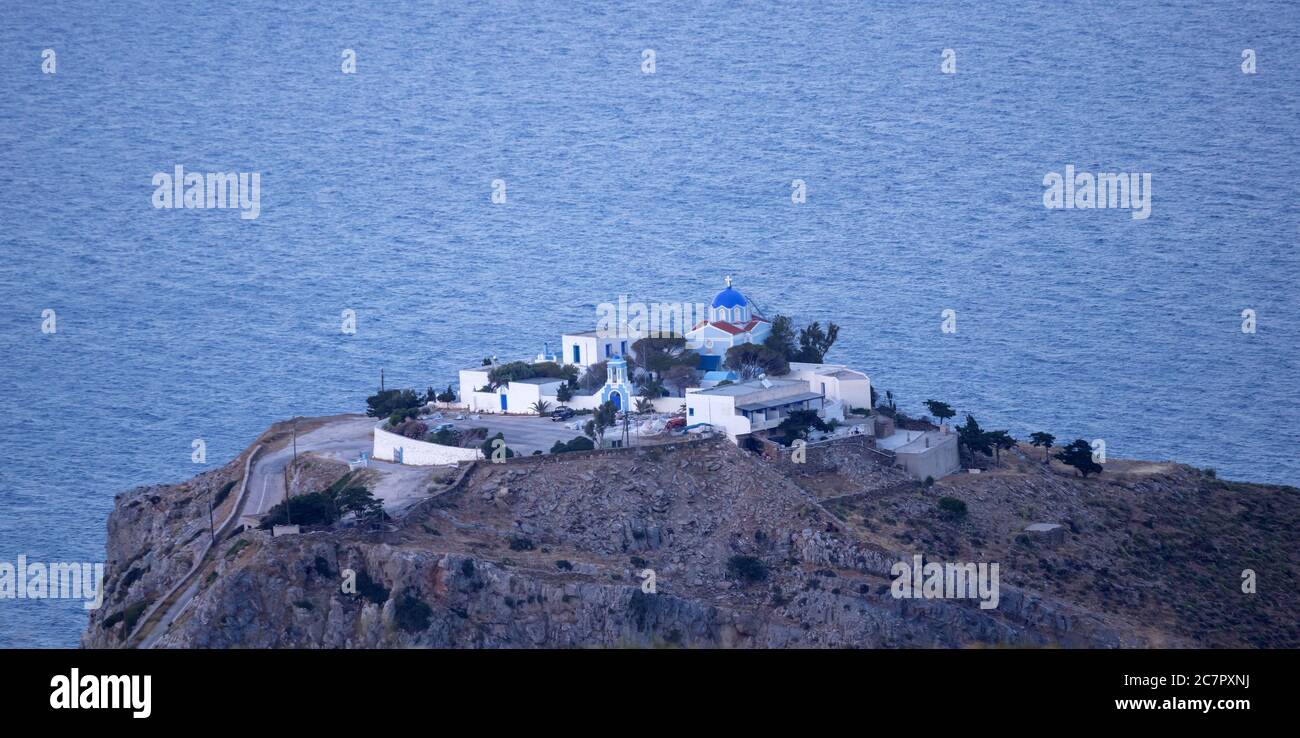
(560, 552)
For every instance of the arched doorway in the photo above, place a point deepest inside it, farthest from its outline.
(616, 397)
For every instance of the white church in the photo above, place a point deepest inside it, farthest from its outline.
(718, 399)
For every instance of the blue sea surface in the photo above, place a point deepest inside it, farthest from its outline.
(924, 194)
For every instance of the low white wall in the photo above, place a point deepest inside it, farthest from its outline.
(418, 453)
(582, 402)
(668, 404)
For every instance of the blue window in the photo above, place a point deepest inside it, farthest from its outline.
(623, 349)
(607, 351)
(690, 411)
(577, 356)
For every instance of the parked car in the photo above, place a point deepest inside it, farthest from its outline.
(442, 426)
(675, 423)
(561, 413)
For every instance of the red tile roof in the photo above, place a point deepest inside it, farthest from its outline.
(731, 328)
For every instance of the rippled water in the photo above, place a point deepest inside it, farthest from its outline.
(924, 193)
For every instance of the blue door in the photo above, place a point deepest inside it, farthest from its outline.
(577, 357)
(617, 399)
(503, 403)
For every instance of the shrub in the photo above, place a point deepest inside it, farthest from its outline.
(370, 589)
(132, 576)
(316, 508)
(580, 443)
(747, 569)
(223, 493)
(952, 507)
(412, 428)
(519, 543)
(132, 614)
(411, 613)
(564, 565)
(510, 372)
(238, 546)
(322, 567)
(487, 447)
(399, 416)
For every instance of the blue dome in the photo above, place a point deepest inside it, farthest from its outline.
(730, 298)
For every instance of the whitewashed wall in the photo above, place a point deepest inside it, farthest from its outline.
(418, 453)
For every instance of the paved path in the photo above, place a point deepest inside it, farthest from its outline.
(343, 438)
(523, 434)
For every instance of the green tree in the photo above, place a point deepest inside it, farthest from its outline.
(679, 378)
(940, 410)
(564, 393)
(656, 354)
(798, 422)
(973, 437)
(644, 406)
(604, 417)
(447, 395)
(512, 371)
(781, 338)
(567, 372)
(1045, 440)
(752, 359)
(595, 376)
(541, 407)
(383, 404)
(1000, 441)
(1079, 455)
(360, 500)
(652, 388)
(815, 342)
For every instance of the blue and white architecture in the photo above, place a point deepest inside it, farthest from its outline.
(717, 398)
(732, 321)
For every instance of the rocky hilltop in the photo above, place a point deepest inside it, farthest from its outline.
(551, 551)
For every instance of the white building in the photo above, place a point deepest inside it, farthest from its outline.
(848, 387)
(758, 404)
(737, 408)
(592, 347)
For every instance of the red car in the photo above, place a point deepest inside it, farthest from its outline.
(675, 423)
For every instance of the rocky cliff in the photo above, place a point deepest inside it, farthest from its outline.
(745, 552)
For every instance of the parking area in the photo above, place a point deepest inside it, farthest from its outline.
(523, 434)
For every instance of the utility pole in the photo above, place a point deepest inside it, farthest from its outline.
(295, 439)
(211, 528)
(381, 379)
